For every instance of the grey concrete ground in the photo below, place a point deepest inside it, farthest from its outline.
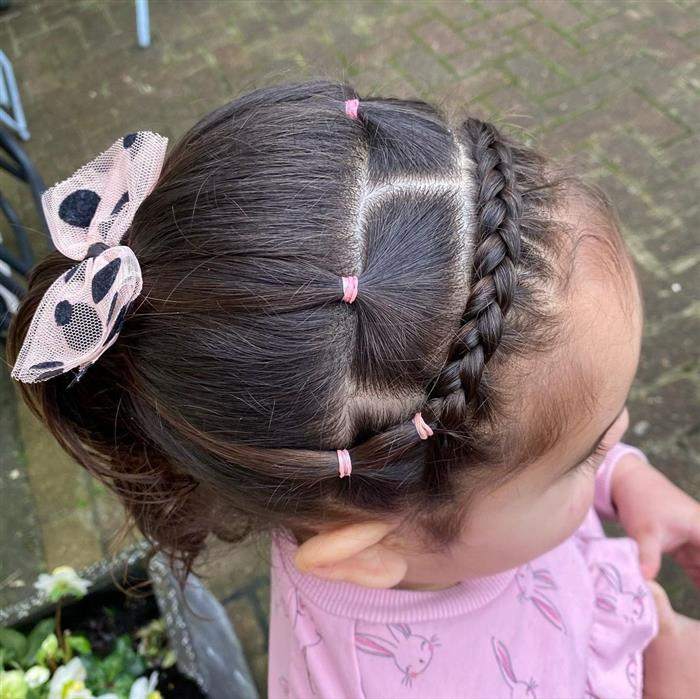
(613, 84)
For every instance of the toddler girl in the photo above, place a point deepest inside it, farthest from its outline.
(404, 347)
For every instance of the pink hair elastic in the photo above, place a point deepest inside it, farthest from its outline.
(344, 463)
(350, 288)
(351, 107)
(422, 427)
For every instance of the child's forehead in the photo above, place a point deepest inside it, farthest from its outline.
(600, 297)
(579, 384)
(594, 252)
(603, 300)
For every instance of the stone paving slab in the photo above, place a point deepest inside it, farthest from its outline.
(613, 86)
(21, 551)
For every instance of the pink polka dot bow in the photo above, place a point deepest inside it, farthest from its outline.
(88, 214)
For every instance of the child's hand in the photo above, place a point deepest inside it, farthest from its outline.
(671, 669)
(658, 515)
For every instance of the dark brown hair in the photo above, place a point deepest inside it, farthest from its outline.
(240, 371)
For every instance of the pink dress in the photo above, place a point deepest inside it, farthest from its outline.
(571, 624)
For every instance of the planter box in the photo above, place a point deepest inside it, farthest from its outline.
(210, 661)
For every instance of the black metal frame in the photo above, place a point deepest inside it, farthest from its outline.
(15, 161)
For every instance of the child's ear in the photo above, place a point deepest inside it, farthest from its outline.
(354, 553)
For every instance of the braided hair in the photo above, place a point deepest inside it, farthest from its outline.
(240, 371)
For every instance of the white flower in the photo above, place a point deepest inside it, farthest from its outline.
(144, 688)
(68, 682)
(36, 676)
(62, 582)
(13, 685)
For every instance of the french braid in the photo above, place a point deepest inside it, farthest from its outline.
(493, 278)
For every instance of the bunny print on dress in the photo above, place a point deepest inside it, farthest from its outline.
(626, 604)
(590, 694)
(531, 583)
(410, 652)
(632, 671)
(518, 688)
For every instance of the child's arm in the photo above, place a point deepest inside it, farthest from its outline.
(603, 501)
(653, 511)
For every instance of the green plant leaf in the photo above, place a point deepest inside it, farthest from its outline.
(13, 643)
(49, 650)
(122, 684)
(169, 659)
(112, 666)
(136, 666)
(96, 675)
(123, 646)
(79, 644)
(36, 638)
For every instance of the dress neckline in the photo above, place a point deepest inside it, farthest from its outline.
(384, 606)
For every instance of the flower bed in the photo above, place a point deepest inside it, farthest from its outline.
(106, 645)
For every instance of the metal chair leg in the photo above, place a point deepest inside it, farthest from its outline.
(9, 97)
(143, 23)
(24, 169)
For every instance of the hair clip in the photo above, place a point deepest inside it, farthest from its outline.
(82, 312)
(344, 463)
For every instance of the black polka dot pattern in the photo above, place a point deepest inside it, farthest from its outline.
(78, 208)
(103, 227)
(123, 199)
(49, 374)
(45, 365)
(117, 324)
(63, 313)
(95, 249)
(111, 307)
(104, 279)
(69, 274)
(52, 369)
(85, 331)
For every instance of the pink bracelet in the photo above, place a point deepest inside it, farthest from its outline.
(603, 502)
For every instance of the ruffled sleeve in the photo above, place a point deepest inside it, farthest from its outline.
(624, 619)
(603, 481)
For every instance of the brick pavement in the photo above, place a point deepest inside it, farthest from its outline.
(612, 85)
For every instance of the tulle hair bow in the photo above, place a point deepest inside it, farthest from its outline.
(81, 313)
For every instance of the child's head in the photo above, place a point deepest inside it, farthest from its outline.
(495, 296)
